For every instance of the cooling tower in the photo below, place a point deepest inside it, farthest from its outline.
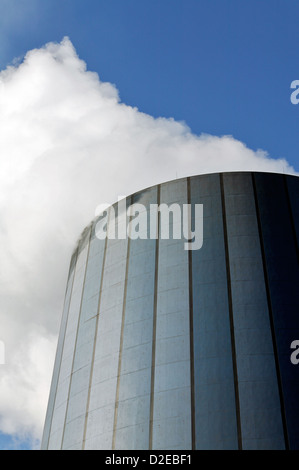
(173, 344)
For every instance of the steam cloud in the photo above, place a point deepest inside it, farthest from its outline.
(67, 144)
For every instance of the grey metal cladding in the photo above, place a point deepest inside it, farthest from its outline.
(166, 348)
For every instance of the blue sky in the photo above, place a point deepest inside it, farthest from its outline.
(11, 442)
(224, 67)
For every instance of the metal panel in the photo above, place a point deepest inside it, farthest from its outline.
(261, 421)
(171, 427)
(215, 405)
(69, 345)
(52, 396)
(133, 406)
(281, 261)
(108, 337)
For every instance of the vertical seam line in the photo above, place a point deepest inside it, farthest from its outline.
(190, 274)
(62, 349)
(95, 337)
(78, 327)
(231, 316)
(121, 340)
(289, 204)
(152, 390)
(271, 319)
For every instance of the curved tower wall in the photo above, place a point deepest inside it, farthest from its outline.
(166, 348)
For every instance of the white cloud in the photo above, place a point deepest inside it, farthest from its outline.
(25, 386)
(67, 144)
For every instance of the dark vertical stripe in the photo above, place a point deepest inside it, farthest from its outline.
(291, 216)
(121, 342)
(231, 316)
(78, 326)
(95, 338)
(62, 348)
(152, 391)
(279, 380)
(191, 328)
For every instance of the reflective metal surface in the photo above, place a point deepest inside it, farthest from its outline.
(166, 348)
